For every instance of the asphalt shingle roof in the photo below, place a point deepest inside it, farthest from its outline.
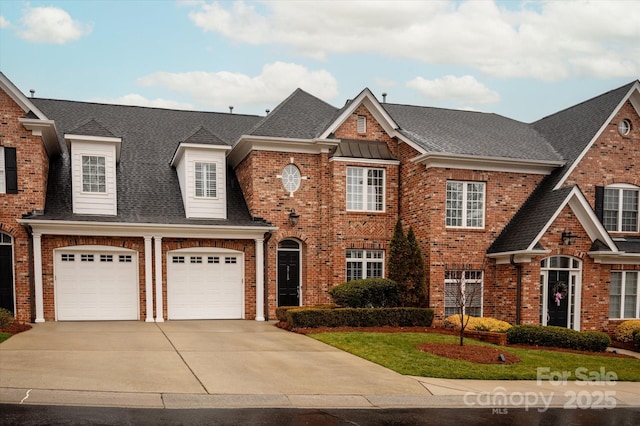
(569, 132)
(147, 186)
(470, 133)
(301, 115)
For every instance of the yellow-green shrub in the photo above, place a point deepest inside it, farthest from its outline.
(478, 323)
(624, 331)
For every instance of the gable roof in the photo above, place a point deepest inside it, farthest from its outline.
(573, 130)
(148, 188)
(92, 128)
(204, 137)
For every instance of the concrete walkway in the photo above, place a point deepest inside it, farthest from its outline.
(213, 364)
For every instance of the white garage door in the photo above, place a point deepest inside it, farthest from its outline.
(94, 284)
(205, 285)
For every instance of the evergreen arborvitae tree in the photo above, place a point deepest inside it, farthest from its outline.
(399, 261)
(416, 278)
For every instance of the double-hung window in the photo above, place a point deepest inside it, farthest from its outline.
(465, 204)
(620, 209)
(94, 174)
(365, 189)
(623, 295)
(365, 264)
(205, 181)
(463, 289)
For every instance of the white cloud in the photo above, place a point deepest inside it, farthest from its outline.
(51, 25)
(221, 89)
(4, 23)
(465, 89)
(546, 41)
(139, 100)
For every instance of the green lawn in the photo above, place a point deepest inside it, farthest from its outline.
(397, 351)
(4, 336)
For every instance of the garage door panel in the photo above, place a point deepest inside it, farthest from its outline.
(96, 286)
(204, 286)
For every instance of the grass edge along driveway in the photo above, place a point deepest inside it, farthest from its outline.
(397, 351)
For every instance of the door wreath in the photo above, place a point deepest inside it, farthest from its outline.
(559, 291)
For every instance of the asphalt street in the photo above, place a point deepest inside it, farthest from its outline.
(36, 415)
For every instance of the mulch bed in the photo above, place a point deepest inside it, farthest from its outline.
(15, 328)
(479, 354)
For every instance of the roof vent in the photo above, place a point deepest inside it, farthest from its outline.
(230, 109)
(267, 111)
(33, 92)
(384, 97)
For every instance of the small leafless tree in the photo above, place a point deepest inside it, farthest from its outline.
(463, 291)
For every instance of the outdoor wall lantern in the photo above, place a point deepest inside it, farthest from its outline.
(293, 217)
(568, 238)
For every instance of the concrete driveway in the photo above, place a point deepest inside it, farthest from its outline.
(189, 357)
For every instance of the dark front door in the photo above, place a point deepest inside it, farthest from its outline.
(558, 298)
(6, 277)
(288, 278)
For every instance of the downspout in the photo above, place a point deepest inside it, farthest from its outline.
(266, 276)
(518, 287)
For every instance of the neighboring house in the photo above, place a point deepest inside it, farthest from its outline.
(115, 212)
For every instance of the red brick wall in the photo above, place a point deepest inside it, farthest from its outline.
(613, 158)
(325, 229)
(423, 206)
(33, 168)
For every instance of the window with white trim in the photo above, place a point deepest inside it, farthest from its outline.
(362, 124)
(365, 189)
(465, 204)
(94, 174)
(463, 288)
(623, 295)
(205, 180)
(363, 264)
(620, 208)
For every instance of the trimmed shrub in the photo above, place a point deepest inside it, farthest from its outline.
(281, 311)
(558, 337)
(367, 293)
(6, 317)
(636, 338)
(477, 324)
(624, 331)
(359, 317)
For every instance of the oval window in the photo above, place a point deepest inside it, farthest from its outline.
(624, 127)
(291, 178)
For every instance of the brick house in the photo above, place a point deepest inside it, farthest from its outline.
(114, 212)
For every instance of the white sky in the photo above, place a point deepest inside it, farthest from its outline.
(521, 59)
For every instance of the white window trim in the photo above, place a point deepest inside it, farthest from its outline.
(364, 260)
(361, 124)
(3, 177)
(623, 282)
(620, 187)
(464, 204)
(205, 186)
(96, 193)
(365, 192)
(462, 281)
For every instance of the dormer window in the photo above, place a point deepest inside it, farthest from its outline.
(362, 124)
(205, 180)
(93, 174)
